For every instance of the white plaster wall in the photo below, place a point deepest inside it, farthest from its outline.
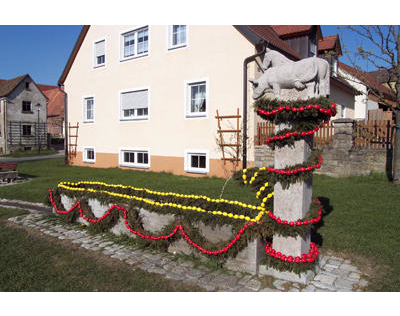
(342, 99)
(213, 52)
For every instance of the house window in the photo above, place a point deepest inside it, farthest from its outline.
(313, 49)
(26, 106)
(135, 43)
(88, 109)
(196, 99)
(135, 105)
(177, 36)
(196, 161)
(26, 130)
(99, 53)
(89, 155)
(27, 86)
(138, 158)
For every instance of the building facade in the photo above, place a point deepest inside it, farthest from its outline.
(23, 115)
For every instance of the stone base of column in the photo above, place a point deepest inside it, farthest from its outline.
(303, 278)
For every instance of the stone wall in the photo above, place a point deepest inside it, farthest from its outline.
(343, 158)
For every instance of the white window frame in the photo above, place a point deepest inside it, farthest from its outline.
(134, 118)
(171, 46)
(134, 164)
(84, 109)
(95, 64)
(187, 101)
(187, 161)
(84, 154)
(134, 30)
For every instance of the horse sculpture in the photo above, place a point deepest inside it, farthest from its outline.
(282, 73)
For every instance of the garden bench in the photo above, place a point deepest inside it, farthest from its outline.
(8, 171)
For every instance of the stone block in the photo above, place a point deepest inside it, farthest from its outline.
(303, 278)
(217, 234)
(154, 222)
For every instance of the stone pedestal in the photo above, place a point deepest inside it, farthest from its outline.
(291, 204)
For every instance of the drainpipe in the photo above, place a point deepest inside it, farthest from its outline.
(245, 62)
(65, 123)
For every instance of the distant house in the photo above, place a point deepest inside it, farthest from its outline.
(146, 97)
(55, 110)
(367, 104)
(23, 115)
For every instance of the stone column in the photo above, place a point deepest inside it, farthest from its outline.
(293, 202)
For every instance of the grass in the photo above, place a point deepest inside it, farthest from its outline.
(46, 174)
(362, 223)
(31, 153)
(30, 261)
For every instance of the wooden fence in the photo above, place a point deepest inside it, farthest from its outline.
(373, 134)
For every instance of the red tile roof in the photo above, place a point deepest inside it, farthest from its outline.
(267, 33)
(285, 31)
(329, 42)
(368, 80)
(55, 105)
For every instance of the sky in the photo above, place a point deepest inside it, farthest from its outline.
(40, 51)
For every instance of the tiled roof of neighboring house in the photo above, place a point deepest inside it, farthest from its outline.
(267, 33)
(368, 80)
(329, 42)
(55, 98)
(381, 76)
(291, 30)
(7, 86)
(55, 105)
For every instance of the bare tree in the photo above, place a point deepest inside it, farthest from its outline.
(384, 41)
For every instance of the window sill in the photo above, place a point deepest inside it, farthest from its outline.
(197, 171)
(135, 166)
(91, 161)
(27, 112)
(134, 119)
(177, 47)
(189, 116)
(133, 57)
(88, 122)
(99, 66)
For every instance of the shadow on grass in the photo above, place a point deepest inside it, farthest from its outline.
(315, 236)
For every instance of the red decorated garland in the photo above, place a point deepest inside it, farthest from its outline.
(313, 252)
(309, 257)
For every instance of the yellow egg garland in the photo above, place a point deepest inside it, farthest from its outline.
(262, 211)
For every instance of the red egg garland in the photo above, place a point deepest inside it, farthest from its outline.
(298, 223)
(300, 109)
(305, 258)
(149, 237)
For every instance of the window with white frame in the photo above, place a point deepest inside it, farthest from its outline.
(99, 53)
(196, 161)
(342, 111)
(139, 158)
(196, 99)
(177, 36)
(88, 109)
(135, 105)
(135, 43)
(89, 155)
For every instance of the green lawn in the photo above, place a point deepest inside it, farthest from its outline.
(362, 223)
(31, 262)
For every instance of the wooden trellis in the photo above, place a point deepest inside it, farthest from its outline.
(72, 139)
(236, 131)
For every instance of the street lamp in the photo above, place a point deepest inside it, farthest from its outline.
(37, 129)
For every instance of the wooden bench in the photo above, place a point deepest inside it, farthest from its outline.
(8, 165)
(8, 171)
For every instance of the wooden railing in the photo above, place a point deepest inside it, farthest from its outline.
(374, 134)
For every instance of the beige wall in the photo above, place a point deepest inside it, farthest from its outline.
(342, 99)
(215, 53)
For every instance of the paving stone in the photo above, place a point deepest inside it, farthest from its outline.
(336, 274)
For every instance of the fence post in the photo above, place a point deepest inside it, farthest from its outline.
(343, 137)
